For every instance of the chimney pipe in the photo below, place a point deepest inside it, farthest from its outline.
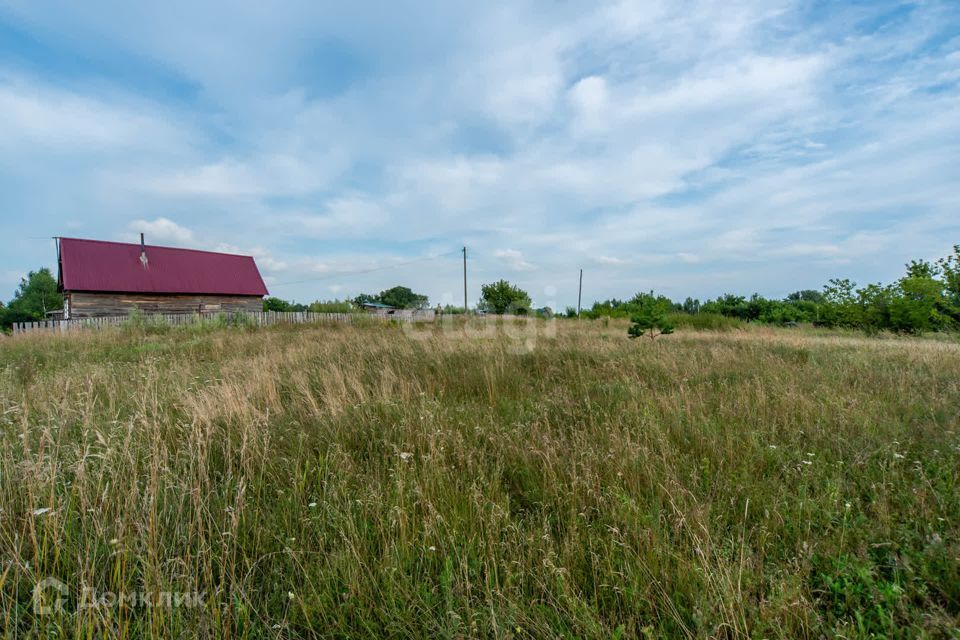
(143, 252)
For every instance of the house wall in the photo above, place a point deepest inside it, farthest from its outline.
(83, 304)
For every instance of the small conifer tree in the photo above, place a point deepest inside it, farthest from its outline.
(650, 321)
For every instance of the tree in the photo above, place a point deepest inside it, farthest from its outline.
(402, 298)
(922, 269)
(397, 297)
(805, 295)
(277, 304)
(364, 298)
(691, 306)
(331, 306)
(36, 296)
(840, 304)
(501, 297)
(650, 319)
(915, 306)
(950, 269)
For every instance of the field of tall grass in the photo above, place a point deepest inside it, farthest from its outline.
(355, 482)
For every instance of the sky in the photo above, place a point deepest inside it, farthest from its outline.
(689, 147)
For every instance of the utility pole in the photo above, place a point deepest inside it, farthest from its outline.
(579, 293)
(465, 279)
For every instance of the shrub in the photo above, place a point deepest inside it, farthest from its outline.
(705, 321)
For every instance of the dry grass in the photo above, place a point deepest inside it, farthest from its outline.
(357, 482)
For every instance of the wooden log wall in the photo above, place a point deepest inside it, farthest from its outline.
(84, 304)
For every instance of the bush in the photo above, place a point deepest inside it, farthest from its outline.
(333, 306)
(705, 321)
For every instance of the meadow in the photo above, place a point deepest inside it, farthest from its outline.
(360, 481)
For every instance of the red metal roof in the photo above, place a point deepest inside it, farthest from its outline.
(95, 265)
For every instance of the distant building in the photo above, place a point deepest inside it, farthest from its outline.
(101, 279)
(378, 308)
(385, 310)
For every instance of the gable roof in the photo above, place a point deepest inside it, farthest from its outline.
(95, 265)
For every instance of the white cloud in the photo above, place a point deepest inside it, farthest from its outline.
(267, 263)
(36, 113)
(688, 145)
(514, 259)
(343, 217)
(260, 176)
(161, 231)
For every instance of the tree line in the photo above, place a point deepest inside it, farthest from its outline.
(497, 297)
(926, 298)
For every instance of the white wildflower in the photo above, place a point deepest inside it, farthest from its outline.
(41, 511)
(431, 548)
(312, 505)
(405, 455)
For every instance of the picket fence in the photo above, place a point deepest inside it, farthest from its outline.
(258, 318)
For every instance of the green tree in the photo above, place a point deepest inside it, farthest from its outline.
(691, 305)
(502, 297)
(840, 304)
(650, 318)
(332, 306)
(729, 305)
(871, 311)
(922, 269)
(805, 295)
(278, 304)
(397, 297)
(364, 298)
(402, 298)
(916, 306)
(36, 295)
(950, 271)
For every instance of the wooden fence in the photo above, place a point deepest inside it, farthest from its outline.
(258, 318)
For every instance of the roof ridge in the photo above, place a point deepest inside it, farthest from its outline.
(156, 246)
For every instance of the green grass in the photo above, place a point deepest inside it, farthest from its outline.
(359, 482)
(705, 321)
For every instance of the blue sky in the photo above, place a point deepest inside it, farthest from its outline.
(691, 147)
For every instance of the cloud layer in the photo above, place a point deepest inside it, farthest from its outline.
(691, 147)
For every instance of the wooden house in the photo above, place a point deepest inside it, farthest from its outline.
(100, 279)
